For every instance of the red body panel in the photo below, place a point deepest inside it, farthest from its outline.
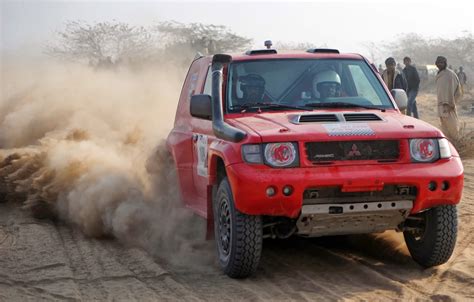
(249, 182)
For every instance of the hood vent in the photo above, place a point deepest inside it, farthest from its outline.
(318, 118)
(361, 117)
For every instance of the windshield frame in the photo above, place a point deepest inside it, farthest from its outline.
(228, 90)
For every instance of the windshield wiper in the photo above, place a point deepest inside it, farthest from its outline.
(342, 105)
(260, 105)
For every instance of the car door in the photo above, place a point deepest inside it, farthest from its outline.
(202, 137)
(180, 140)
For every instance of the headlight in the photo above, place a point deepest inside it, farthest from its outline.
(281, 154)
(252, 154)
(444, 148)
(424, 150)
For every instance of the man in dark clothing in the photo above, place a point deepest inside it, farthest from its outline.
(392, 77)
(413, 84)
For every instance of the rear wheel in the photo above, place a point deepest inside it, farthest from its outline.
(432, 242)
(238, 236)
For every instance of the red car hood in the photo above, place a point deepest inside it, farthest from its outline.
(283, 126)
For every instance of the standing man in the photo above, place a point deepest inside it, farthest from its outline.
(392, 77)
(449, 92)
(413, 84)
(462, 78)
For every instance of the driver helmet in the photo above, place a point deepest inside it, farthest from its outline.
(326, 84)
(252, 86)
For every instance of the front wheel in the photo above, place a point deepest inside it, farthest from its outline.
(432, 242)
(238, 236)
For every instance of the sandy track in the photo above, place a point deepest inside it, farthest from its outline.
(51, 261)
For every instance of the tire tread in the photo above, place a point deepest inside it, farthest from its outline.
(248, 240)
(441, 238)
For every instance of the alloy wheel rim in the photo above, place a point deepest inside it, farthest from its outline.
(225, 227)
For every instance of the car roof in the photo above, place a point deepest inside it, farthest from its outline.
(294, 55)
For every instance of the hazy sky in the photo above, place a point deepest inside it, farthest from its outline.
(338, 24)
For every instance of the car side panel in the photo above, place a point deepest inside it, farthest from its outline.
(180, 141)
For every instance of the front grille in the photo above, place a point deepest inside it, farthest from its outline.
(380, 150)
(326, 195)
(318, 118)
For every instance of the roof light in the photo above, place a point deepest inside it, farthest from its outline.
(322, 50)
(261, 52)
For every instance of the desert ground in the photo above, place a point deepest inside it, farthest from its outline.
(44, 260)
(75, 258)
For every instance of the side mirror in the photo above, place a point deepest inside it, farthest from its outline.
(400, 97)
(201, 106)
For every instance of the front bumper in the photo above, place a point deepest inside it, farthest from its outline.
(249, 183)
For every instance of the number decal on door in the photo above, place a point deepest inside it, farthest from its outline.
(201, 145)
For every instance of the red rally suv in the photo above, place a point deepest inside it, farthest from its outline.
(309, 144)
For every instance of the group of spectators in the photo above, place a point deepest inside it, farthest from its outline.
(449, 86)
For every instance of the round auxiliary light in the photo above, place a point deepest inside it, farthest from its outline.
(287, 190)
(432, 186)
(445, 185)
(271, 191)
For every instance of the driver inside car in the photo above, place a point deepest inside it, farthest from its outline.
(253, 88)
(326, 84)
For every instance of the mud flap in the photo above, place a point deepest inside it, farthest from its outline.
(211, 193)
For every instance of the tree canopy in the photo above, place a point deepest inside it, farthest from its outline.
(106, 44)
(458, 50)
(205, 38)
(101, 43)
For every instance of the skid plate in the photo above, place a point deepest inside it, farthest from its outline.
(352, 218)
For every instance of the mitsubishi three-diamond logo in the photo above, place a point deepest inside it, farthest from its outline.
(354, 151)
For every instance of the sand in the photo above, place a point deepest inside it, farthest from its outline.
(45, 260)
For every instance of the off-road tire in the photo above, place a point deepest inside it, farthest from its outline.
(435, 243)
(244, 247)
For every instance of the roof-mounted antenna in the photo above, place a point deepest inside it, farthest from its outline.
(268, 44)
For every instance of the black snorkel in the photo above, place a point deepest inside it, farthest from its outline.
(221, 129)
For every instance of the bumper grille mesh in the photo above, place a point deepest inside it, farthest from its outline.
(384, 150)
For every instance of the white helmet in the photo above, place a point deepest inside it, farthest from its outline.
(327, 84)
(327, 76)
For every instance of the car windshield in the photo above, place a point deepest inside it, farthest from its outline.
(297, 83)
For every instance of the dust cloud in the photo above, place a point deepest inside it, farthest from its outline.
(88, 146)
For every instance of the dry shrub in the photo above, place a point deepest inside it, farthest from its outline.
(465, 142)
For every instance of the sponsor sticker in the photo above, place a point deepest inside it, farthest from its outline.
(201, 149)
(348, 129)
